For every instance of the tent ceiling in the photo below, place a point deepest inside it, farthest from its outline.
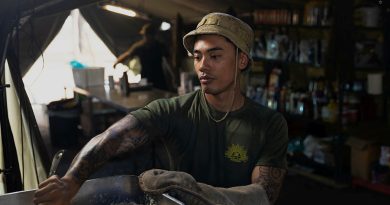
(9, 8)
(190, 10)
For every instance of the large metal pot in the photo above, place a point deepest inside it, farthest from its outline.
(116, 190)
(113, 190)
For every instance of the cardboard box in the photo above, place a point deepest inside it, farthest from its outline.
(90, 76)
(363, 154)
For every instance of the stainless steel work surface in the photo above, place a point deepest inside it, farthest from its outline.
(113, 190)
(18, 198)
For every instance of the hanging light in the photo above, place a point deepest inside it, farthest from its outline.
(120, 10)
(165, 26)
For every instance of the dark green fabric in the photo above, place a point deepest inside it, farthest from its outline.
(220, 154)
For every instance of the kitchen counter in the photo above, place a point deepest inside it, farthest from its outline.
(137, 97)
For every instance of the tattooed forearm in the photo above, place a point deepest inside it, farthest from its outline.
(124, 136)
(271, 179)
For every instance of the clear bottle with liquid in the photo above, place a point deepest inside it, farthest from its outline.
(125, 84)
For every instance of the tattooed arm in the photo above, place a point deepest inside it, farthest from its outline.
(125, 135)
(270, 178)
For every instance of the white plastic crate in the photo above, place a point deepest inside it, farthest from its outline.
(90, 76)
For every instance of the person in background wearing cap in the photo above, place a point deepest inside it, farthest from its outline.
(151, 53)
(224, 148)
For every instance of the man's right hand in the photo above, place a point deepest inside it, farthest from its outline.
(56, 191)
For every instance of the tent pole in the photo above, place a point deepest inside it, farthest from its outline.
(11, 169)
(3, 55)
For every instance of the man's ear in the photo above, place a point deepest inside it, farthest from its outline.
(243, 61)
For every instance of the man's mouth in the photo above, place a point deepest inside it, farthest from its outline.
(204, 79)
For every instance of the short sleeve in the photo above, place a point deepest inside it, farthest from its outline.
(275, 149)
(154, 117)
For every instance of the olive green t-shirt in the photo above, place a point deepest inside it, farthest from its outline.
(220, 154)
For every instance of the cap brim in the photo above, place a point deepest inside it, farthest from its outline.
(189, 38)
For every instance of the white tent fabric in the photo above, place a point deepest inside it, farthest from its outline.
(30, 163)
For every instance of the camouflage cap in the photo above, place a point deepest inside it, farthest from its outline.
(237, 31)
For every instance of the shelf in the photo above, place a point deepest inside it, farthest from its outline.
(376, 130)
(383, 188)
(370, 69)
(369, 29)
(257, 26)
(257, 59)
(257, 72)
(318, 178)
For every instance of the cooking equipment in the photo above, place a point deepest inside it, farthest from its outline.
(113, 190)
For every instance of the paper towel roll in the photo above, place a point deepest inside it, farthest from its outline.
(374, 83)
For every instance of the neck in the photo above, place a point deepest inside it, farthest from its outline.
(223, 102)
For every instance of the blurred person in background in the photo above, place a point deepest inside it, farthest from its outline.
(153, 56)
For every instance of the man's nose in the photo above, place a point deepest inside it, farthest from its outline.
(203, 64)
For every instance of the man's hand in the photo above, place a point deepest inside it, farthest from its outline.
(56, 191)
(115, 64)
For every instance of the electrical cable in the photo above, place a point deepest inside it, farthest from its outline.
(34, 45)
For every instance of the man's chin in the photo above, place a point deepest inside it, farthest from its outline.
(205, 89)
(209, 90)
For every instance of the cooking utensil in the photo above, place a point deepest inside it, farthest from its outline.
(123, 189)
(25, 197)
(55, 162)
(170, 200)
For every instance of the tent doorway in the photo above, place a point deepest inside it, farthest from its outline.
(50, 78)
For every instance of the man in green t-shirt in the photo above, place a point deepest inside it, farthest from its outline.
(233, 149)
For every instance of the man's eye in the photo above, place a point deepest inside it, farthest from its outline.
(197, 58)
(215, 56)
